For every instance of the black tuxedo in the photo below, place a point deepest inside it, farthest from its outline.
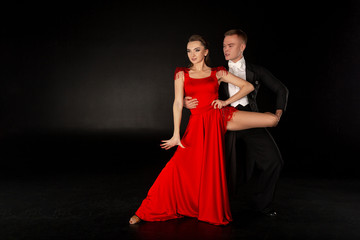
(263, 159)
(257, 75)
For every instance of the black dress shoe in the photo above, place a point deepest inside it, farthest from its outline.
(269, 212)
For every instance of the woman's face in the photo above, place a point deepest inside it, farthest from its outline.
(196, 52)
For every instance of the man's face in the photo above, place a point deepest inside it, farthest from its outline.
(233, 47)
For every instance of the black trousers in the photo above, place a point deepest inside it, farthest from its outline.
(253, 157)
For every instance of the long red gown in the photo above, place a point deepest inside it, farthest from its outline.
(193, 182)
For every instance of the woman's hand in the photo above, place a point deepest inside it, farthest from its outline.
(167, 144)
(218, 104)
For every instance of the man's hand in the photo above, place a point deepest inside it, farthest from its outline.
(278, 113)
(190, 103)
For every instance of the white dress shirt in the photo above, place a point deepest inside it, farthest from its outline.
(239, 70)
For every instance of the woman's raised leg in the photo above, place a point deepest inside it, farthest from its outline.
(244, 120)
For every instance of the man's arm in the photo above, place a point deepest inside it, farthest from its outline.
(277, 87)
(190, 102)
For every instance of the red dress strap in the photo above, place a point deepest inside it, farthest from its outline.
(180, 72)
(221, 70)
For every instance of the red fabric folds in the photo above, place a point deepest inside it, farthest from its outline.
(193, 182)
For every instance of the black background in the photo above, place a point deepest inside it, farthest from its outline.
(85, 84)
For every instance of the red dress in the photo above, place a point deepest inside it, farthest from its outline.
(193, 182)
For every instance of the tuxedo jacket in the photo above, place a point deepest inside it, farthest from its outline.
(257, 76)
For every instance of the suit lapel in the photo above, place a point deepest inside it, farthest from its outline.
(227, 89)
(226, 86)
(249, 74)
(250, 77)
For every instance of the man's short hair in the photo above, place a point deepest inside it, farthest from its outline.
(238, 32)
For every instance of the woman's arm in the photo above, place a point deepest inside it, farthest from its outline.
(245, 88)
(178, 105)
(177, 112)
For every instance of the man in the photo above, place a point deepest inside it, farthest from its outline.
(263, 161)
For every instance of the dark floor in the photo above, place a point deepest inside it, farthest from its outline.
(66, 194)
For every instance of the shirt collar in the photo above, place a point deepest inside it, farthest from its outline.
(239, 64)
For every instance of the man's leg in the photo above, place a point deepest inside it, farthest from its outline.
(263, 165)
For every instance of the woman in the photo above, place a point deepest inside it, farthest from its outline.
(193, 182)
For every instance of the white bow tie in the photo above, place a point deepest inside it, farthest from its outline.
(238, 65)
